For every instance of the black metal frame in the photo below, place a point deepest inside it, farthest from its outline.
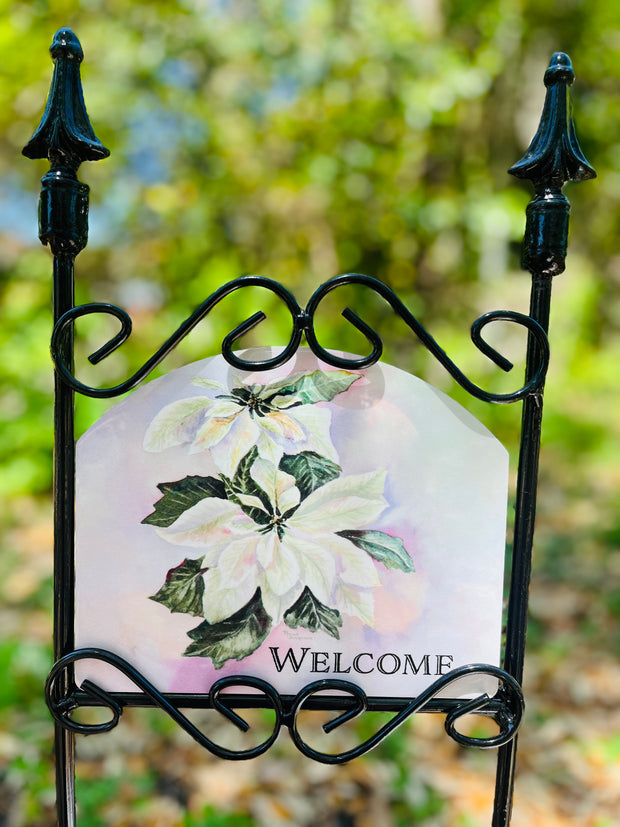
(66, 138)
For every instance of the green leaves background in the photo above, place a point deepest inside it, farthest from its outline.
(249, 137)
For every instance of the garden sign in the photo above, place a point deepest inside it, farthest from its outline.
(291, 528)
(300, 523)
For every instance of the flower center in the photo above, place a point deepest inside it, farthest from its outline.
(276, 523)
(257, 406)
(246, 398)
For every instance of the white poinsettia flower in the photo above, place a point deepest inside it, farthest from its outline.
(277, 417)
(284, 542)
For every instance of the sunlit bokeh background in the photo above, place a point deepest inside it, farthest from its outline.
(300, 139)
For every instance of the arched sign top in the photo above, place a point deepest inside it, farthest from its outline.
(302, 523)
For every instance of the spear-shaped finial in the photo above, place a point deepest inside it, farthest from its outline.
(66, 138)
(553, 158)
(65, 131)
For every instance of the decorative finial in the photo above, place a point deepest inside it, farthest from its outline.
(553, 158)
(65, 133)
(66, 138)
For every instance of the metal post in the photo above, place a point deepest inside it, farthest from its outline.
(553, 158)
(65, 138)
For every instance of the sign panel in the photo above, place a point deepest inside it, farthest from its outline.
(302, 523)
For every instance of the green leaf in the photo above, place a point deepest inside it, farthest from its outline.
(204, 382)
(310, 470)
(382, 547)
(242, 480)
(184, 588)
(234, 638)
(309, 613)
(318, 386)
(242, 485)
(181, 495)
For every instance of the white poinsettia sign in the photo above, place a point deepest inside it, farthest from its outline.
(294, 524)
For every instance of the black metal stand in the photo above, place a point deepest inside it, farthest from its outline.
(65, 137)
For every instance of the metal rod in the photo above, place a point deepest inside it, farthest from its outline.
(65, 138)
(64, 528)
(64, 474)
(553, 158)
(525, 514)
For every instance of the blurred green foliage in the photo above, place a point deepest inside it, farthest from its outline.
(299, 139)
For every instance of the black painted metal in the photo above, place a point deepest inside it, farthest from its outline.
(66, 138)
(552, 159)
(506, 707)
(302, 323)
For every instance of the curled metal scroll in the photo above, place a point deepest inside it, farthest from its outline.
(302, 323)
(505, 707)
(507, 715)
(427, 340)
(63, 708)
(66, 320)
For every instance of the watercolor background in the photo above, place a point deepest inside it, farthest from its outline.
(446, 486)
